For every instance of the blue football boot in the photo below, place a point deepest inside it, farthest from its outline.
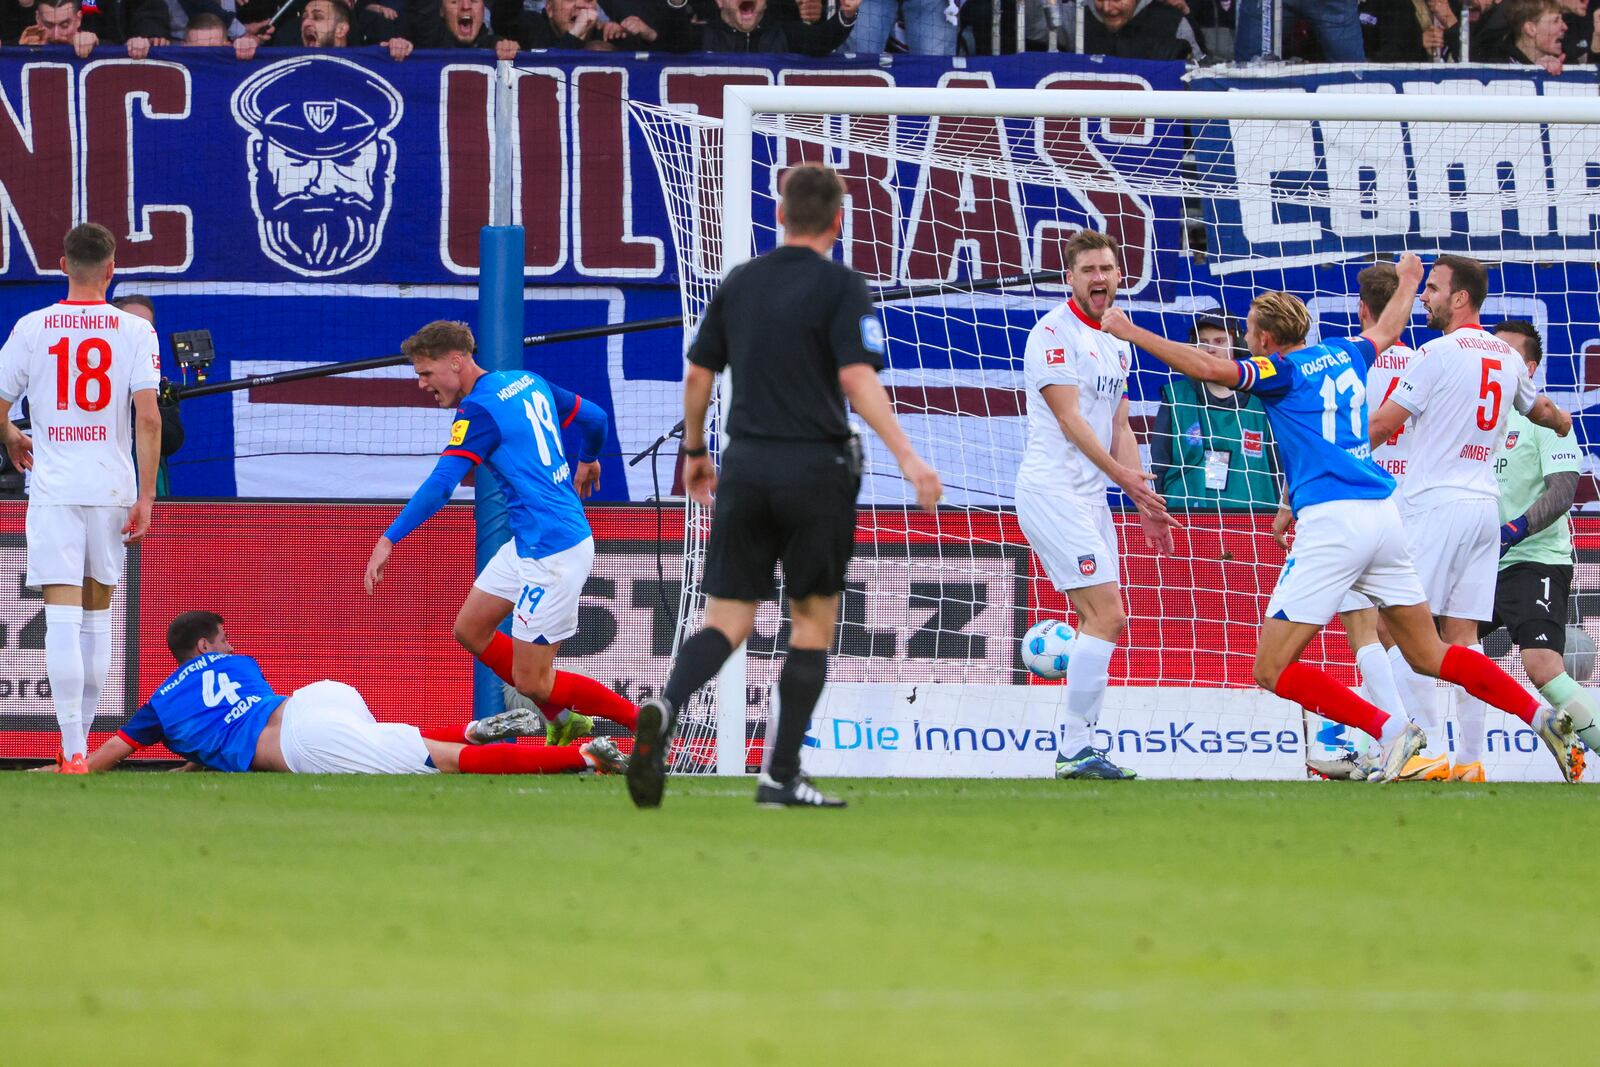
(1089, 763)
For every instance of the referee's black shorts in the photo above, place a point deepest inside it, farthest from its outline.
(1530, 601)
(782, 500)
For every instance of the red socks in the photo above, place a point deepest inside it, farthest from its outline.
(570, 690)
(455, 735)
(520, 759)
(1314, 689)
(497, 657)
(592, 699)
(1478, 675)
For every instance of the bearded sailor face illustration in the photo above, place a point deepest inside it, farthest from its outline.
(321, 161)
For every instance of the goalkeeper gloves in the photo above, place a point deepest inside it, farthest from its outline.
(1513, 532)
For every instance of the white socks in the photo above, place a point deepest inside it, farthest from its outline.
(1087, 673)
(1470, 713)
(1377, 676)
(96, 645)
(1419, 694)
(63, 654)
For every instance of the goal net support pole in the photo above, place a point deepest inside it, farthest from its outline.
(500, 315)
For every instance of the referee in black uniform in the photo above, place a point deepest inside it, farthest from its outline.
(799, 333)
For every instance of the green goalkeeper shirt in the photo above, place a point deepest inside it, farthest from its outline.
(1527, 456)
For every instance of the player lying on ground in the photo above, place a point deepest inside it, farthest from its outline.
(81, 363)
(512, 421)
(217, 711)
(1078, 441)
(1453, 403)
(1349, 528)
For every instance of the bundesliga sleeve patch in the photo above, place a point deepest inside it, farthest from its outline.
(458, 432)
(872, 334)
(1055, 357)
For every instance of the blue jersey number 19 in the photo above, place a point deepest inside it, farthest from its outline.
(542, 419)
(1333, 389)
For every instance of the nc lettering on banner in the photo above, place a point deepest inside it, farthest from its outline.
(307, 165)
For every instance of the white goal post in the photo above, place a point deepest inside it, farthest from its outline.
(703, 178)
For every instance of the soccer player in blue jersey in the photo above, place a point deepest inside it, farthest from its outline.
(219, 712)
(512, 421)
(1349, 534)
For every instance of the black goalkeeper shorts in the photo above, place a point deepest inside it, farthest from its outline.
(787, 501)
(1530, 601)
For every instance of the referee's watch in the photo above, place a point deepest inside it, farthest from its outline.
(696, 453)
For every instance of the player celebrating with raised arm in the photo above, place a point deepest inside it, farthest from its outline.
(1375, 285)
(1078, 440)
(1457, 396)
(81, 362)
(219, 712)
(512, 420)
(1349, 528)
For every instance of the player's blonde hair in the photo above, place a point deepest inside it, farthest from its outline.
(1283, 316)
(438, 339)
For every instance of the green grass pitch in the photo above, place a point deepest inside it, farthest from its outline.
(284, 920)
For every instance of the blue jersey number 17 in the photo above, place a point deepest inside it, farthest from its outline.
(1334, 390)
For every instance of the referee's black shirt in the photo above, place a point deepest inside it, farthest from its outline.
(785, 323)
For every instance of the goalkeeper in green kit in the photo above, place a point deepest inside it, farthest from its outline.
(1538, 476)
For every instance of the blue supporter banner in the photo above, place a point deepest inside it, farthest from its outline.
(351, 167)
(311, 207)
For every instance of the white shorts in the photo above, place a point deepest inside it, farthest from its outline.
(1340, 546)
(544, 592)
(1456, 546)
(327, 729)
(1075, 539)
(70, 542)
(1354, 601)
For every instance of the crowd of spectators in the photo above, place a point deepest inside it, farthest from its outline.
(1545, 33)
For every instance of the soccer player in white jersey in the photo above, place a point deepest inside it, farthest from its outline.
(1376, 286)
(1078, 441)
(80, 362)
(1350, 535)
(1458, 395)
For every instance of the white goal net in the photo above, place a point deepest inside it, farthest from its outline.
(959, 205)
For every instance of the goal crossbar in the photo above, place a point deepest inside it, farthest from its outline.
(741, 103)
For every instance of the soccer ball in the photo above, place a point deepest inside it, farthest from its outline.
(1046, 648)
